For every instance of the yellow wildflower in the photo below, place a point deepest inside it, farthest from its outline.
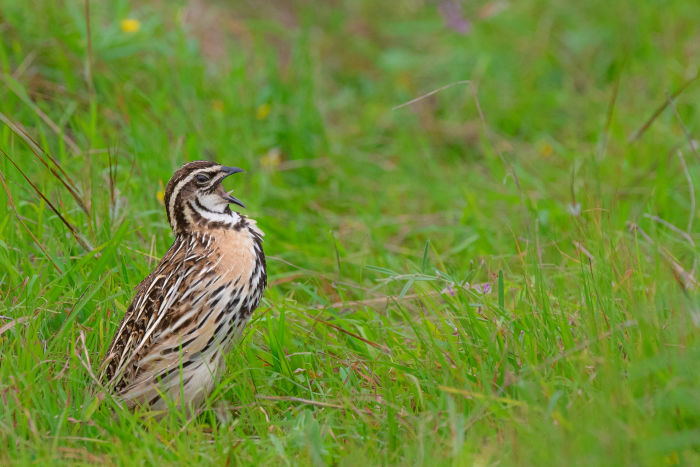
(263, 111)
(546, 150)
(672, 459)
(160, 194)
(217, 105)
(130, 25)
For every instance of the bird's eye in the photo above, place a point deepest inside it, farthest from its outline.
(201, 178)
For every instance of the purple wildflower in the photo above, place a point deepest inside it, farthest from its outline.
(449, 290)
(452, 14)
(484, 288)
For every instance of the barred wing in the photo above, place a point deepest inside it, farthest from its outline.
(154, 306)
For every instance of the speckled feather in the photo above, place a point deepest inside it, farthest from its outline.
(189, 311)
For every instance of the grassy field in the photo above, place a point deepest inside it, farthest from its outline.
(501, 273)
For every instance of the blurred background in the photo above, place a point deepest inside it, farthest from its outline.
(396, 154)
(304, 98)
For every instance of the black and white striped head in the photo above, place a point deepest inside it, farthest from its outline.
(194, 197)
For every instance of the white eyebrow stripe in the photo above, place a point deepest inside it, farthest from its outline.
(178, 188)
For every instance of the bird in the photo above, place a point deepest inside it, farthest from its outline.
(192, 308)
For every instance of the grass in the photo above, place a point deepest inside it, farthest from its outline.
(577, 340)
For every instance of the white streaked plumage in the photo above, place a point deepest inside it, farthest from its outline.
(196, 302)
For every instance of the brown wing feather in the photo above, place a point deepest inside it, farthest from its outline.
(148, 299)
(184, 314)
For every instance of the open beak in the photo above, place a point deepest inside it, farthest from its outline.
(234, 200)
(230, 171)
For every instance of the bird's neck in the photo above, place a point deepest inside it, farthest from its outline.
(193, 218)
(199, 225)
